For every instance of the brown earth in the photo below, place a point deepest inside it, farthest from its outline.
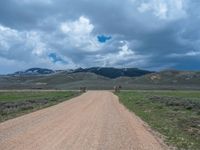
(93, 121)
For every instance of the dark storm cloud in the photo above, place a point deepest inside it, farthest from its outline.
(20, 15)
(151, 34)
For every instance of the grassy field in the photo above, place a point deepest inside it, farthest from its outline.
(175, 114)
(16, 103)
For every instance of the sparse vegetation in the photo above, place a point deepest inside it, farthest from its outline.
(104, 78)
(175, 114)
(15, 103)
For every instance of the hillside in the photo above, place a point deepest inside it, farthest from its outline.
(103, 71)
(35, 71)
(61, 80)
(170, 79)
(115, 72)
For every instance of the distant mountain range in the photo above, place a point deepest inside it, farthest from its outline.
(100, 78)
(115, 72)
(103, 71)
(34, 71)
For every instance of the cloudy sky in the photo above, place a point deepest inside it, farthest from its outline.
(62, 34)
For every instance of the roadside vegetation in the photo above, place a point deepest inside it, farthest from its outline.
(175, 114)
(16, 103)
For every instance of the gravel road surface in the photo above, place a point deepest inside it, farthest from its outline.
(93, 121)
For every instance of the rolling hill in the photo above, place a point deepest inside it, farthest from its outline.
(102, 78)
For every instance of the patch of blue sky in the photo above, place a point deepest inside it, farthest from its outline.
(103, 38)
(55, 58)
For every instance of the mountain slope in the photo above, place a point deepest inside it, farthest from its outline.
(34, 71)
(103, 71)
(115, 72)
(170, 79)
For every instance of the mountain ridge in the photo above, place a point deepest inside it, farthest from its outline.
(74, 79)
(109, 72)
(34, 71)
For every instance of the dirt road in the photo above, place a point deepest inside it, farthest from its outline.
(92, 121)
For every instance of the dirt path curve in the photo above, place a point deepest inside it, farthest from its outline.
(92, 121)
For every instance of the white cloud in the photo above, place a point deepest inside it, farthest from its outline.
(124, 50)
(22, 49)
(79, 34)
(7, 36)
(124, 56)
(80, 27)
(192, 53)
(187, 54)
(35, 1)
(164, 9)
(14, 43)
(34, 41)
